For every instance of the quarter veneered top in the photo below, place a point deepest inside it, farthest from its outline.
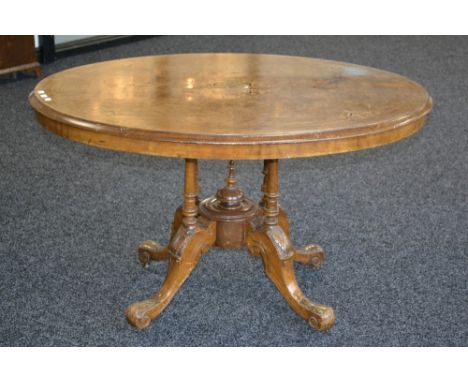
(230, 106)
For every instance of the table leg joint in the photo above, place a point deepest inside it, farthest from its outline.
(184, 252)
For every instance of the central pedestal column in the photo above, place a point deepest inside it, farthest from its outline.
(232, 212)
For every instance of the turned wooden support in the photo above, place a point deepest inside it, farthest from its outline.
(270, 194)
(230, 196)
(231, 176)
(190, 206)
(283, 220)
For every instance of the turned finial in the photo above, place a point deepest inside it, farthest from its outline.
(231, 177)
(230, 196)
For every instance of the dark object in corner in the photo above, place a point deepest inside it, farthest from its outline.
(17, 54)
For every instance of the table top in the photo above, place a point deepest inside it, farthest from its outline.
(230, 106)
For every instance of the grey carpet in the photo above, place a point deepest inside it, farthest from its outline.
(392, 220)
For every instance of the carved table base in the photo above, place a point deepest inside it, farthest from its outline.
(229, 220)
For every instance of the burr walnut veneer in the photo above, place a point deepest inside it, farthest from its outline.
(230, 106)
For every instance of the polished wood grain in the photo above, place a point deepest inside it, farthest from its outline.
(225, 106)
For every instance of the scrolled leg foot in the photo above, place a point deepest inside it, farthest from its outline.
(278, 255)
(311, 254)
(322, 318)
(149, 250)
(137, 313)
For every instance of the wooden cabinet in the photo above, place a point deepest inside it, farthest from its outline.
(17, 54)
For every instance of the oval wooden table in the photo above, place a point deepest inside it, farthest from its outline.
(230, 106)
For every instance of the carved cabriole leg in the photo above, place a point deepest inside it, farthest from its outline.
(311, 254)
(194, 236)
(270, 241)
